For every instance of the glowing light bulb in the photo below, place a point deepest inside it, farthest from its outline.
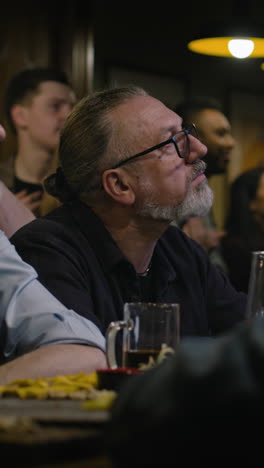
(241, 48)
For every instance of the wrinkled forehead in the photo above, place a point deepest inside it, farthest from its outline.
(142, 116)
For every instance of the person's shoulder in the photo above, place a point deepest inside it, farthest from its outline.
(51, 223)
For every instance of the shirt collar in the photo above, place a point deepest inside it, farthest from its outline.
(100, 239)
(106, 250)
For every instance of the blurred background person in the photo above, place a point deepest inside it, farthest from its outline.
(214, 131)
(244, 225)
(13, 213)
(37, 102)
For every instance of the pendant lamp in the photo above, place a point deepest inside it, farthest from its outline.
(237, 37)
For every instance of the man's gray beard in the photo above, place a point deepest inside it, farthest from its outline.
(198, 202)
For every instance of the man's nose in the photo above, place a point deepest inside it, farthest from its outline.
(197, 149)
(230, 141)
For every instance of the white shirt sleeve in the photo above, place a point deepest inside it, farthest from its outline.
(30, 316)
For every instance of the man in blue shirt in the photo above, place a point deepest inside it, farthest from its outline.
(50, 338)
(32, 319)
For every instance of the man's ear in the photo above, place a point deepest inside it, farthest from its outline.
(19, 116)
(116, 185)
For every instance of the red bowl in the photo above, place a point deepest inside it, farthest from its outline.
(113, 379)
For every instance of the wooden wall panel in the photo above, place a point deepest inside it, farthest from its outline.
(36, 34)
(26, 42)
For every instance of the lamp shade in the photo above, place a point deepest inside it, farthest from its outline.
(216, 42)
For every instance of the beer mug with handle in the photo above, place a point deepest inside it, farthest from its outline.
(150, 331)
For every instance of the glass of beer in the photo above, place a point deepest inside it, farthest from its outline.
(150, 332)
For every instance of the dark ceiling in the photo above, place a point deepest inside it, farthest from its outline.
(154, 38)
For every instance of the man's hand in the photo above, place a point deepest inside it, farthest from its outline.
(31, 200)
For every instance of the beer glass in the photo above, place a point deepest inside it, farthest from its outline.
(150, 331)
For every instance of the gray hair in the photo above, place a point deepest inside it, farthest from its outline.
(89, 143)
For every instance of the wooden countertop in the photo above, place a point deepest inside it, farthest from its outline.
(47, 433)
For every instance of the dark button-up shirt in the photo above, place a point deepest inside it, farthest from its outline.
(80, 263)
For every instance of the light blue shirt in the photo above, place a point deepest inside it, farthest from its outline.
(30, 316)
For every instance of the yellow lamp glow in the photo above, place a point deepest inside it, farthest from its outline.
(218, 46)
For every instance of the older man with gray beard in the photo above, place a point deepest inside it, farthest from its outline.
(127, 169)
(198, 200)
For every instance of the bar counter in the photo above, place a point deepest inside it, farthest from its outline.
(51, 434)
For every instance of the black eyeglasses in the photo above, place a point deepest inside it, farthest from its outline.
(180, 140)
